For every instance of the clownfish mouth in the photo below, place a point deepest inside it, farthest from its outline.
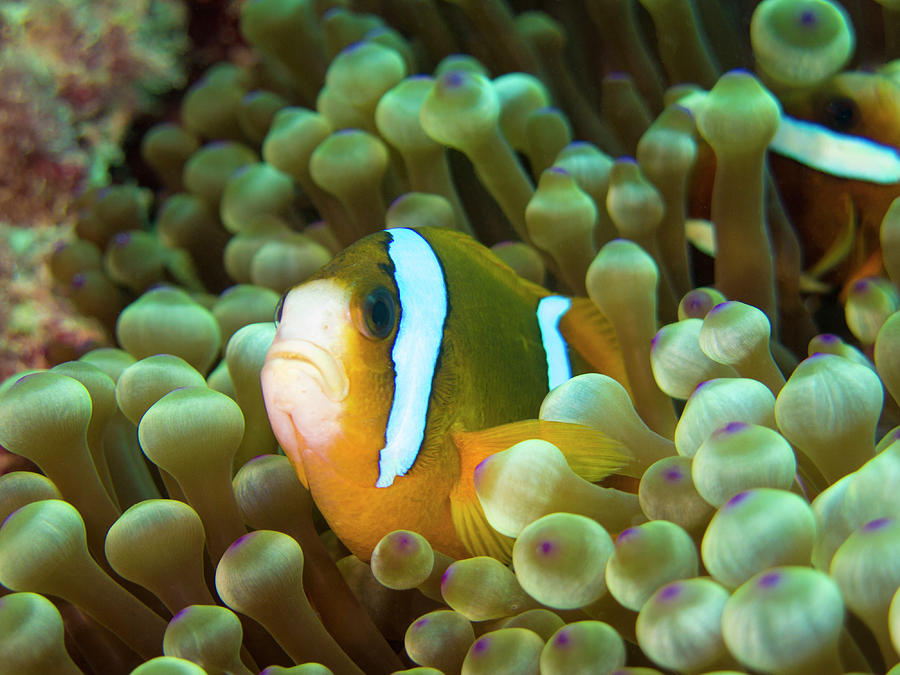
(302, 358)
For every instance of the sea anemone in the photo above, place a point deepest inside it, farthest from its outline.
(750, 521)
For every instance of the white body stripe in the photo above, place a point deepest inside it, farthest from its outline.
(840, 155)
(423, 308)
(820, 148)
(550, 310)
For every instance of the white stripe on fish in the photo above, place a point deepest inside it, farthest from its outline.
(423, 308)
(834, 153)
(550, 310)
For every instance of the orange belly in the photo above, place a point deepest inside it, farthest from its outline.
(360, 516)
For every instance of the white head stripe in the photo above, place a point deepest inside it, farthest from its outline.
(840, 155)
(423, 308)
(549, 311)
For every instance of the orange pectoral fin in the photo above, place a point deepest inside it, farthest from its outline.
(474, 530)
(589, 333)
(842, 243)
(590, 454)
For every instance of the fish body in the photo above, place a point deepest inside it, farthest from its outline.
(404, 362)
(836, 162)
(838, 209)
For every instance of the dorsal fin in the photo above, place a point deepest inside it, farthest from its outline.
(592, 336)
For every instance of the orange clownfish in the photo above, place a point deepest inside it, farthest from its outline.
(836, 160)
(840, 170)
(407, 360)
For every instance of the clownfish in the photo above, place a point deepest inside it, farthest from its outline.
(408, 359)
(838, 170)
(836, 161)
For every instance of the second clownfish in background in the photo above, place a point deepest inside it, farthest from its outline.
(838, 209)
(408, 359)
(836, 162)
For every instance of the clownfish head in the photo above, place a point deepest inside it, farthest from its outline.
(348, 375)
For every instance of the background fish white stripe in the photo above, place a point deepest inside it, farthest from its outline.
(820, 148)
(839, 154)
(423, 308)
(549, 311)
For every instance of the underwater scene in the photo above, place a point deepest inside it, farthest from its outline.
(449, 336)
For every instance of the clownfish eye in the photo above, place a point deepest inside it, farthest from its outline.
(379, 313)
(841, 113)
(279, 308)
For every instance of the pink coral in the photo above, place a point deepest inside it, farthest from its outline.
(39, 328)
(72, 76)
(43, 164)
